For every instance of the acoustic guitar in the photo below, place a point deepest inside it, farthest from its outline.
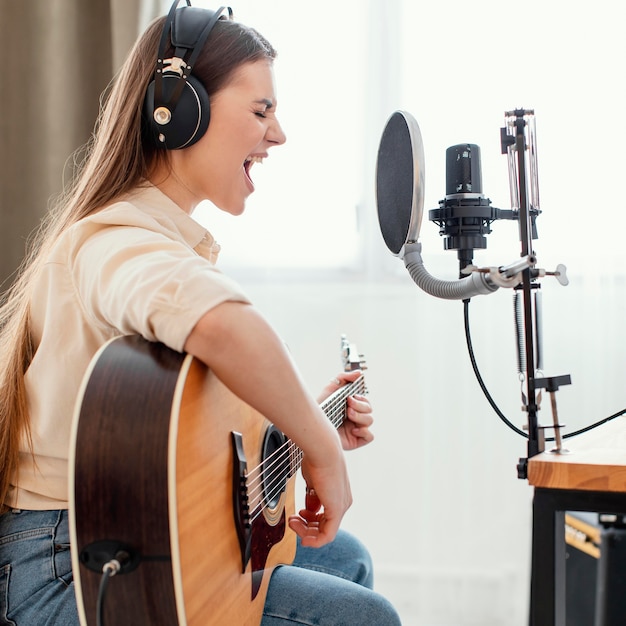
(181, 486)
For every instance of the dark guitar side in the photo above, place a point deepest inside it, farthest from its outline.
(152, 470)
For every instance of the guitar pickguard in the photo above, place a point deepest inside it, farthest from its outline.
(264, 537)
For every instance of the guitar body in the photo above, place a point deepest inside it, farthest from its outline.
(153, 465)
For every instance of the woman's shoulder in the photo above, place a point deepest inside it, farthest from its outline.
(145, 208)
(142, 207)
(143, 215)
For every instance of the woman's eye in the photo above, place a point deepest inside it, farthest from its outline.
(260, 114)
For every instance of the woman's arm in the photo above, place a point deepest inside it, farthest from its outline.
(245, 353)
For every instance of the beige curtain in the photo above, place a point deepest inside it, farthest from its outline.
(59, 55)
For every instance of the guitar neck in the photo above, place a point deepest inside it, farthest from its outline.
(335, 407)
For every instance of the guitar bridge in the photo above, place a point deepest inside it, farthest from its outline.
(241, 505)
(263, 527)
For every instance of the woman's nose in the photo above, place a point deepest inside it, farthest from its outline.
(276, 134)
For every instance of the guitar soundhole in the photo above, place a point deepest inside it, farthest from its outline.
(275, 466)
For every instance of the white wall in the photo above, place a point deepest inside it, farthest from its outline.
(437, 498)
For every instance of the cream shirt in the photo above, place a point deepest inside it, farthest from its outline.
(140, 266)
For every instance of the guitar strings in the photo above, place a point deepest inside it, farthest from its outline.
(336, 403)
(275, 471)
(266, 481)
(274, 480)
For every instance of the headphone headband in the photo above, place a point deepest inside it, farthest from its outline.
(188, 29)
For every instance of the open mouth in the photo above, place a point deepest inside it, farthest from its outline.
(249, 162)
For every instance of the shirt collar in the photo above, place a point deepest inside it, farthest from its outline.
(154, 201)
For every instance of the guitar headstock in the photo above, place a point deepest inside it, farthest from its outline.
(352, 360)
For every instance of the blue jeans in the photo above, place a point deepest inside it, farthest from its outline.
(328, 586)
(36, 585)
(325, 586)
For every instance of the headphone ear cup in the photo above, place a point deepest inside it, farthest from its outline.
(190, 118)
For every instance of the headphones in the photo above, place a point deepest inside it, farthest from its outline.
(176, 107)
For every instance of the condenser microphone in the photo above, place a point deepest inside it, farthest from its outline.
(465, 216)
(400, 203)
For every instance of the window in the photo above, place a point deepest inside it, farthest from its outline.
(465, 63)
(304, 210)
(344, 67)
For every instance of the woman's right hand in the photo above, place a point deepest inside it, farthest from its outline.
(328, 497)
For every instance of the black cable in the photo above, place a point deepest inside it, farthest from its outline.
(592, 426)
(109, 569)
(491, 401)
(107, 573)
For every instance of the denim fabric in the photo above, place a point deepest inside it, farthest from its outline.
(325, 586)
(328, 586)
(36, 585)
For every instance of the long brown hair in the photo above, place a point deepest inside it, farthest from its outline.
(115, 160)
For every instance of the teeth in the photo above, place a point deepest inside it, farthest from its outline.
(254, 159)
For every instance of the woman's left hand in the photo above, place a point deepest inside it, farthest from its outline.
(355, 431)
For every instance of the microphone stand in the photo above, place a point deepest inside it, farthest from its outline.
(464, 217)
(536, 442)
(536, 438)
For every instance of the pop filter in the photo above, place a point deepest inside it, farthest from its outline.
(400, 181)
(400, 202)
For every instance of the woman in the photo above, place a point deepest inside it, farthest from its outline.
(121, 255)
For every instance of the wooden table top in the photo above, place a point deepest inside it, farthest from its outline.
(596, 461)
